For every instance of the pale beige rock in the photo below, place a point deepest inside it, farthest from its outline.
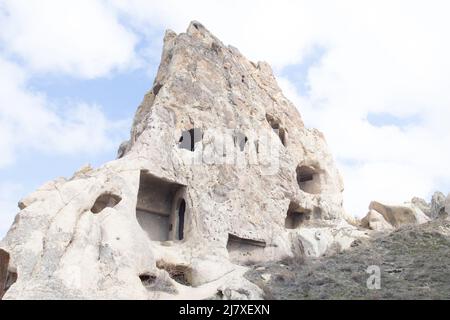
(162, 221)
(398, 215)
(437, 205)
(326, 238)
(447, 205)
(375, 221)
(422, 205)
(266, 277)
(240, 289)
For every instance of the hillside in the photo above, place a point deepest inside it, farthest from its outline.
(414, 263)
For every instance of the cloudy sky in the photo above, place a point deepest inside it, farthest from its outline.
(374, 76)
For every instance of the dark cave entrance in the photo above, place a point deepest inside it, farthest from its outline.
(189, 138)
(7, 277)
(181, 212)
(296, 216)
(160, 208)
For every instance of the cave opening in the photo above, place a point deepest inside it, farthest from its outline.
(160, 207)
(189, 138)
(7, 276)
(244, 250)
(181, 211)
(277, 128)
(295, 216)
(105, 200)
(178, 272)
(240, 140)
(308, 179)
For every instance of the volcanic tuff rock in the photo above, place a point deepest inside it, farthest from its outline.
(375, 221)
(386, 217)
(422, 205)
(219, 172)
(437, 206)
(447, 205)
(398, 215)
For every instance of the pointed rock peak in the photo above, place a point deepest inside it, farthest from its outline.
(196, 27)
(169, 34)
(198, 30)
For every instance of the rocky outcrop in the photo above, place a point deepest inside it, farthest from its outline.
(239, 289)
(375, 221)
(219, 172)
(398, 215)
(447, 205)
(424, 206)
(385, 217)
(412, 263)
(437, 206)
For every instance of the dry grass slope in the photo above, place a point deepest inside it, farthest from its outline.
(414, 263)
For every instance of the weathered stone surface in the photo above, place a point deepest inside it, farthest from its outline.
(398, 215)
(375, 221)
(240, 289)
(219, 170)
(447, 205)
(437, 205)
(320, 240)
(422, 205)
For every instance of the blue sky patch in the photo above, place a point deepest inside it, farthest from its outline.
(384, 119)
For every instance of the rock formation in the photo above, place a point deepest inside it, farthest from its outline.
(376, 221)
(437, 206)
(422, 205)
(219, 172)
(386, 217)
(398, 215)
(447, 205)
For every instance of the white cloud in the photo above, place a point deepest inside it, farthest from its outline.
(389, 181)
(387, 163)
(30, 122)
(75, 38)
(82, 38)
(263, 30)
(379, 57)
(384, 59)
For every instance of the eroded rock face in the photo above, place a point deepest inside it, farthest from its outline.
(447, 205)
(219, 170)
(398, 215)
(437, 205)
(375, 221)
(422, 205)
